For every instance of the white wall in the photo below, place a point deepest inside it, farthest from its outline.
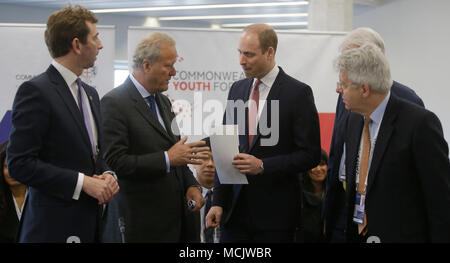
(417, 38)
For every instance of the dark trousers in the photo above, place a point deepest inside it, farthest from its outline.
(240, 228)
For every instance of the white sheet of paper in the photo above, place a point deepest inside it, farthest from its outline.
(225, 145)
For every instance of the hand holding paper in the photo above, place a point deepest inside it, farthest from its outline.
(225, 146)
(247, 164)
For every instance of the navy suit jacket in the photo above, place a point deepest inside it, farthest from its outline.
(408, 188)
(273, 196)
(49, 145)
(333, 211)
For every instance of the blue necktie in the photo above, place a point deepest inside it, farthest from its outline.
(152, 104)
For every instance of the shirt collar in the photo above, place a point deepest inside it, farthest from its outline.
(68, 76)
(205, 191)
(270, 77)
(144, 93)
(377, 114)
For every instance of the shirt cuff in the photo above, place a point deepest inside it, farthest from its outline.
(167, 162)
(79, 187)
(111, 173)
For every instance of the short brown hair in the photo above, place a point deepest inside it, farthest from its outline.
(266, 36)
(65, 25)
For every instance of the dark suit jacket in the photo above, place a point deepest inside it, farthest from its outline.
(408, 191)
(151, 201)
(334, 212)
(49, 145)
(273, 197)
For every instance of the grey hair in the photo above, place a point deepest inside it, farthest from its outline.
(150, 48)
(361, 36)
(368, 65)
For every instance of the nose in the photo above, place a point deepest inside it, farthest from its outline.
(173, 72)
(338, 88)
(210, 164)
(100, 45)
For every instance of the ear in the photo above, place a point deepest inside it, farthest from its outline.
(270, 52)
(146, 66)
(76, 45)
(366, 90)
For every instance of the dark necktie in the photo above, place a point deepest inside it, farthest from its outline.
(84, 109)
(208, 232)
(152, 104)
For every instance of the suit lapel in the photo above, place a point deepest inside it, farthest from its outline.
(142, 107)
(354, 130)
(64, 91)
(165, 112)
(243, 139)
(382, 141)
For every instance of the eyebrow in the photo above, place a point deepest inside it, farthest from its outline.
(246, 52)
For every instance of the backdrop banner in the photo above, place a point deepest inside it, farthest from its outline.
(208, 64)
(25, 55)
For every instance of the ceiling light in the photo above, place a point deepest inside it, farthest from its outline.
(231, 16)
(270, 24)
(151, 22)
(190, 7)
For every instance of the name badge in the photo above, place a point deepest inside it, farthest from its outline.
(358, 214)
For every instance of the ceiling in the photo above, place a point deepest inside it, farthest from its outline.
(284, 14)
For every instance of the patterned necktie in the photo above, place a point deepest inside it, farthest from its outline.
(364, 167)
(152, 104)
(253, 113)
(84, 109)
(208, 232)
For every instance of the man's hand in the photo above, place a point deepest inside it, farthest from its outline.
(190, 153)
(194, 193)
(103, 187)
(214, 216)
(110, 181)
(247, 164)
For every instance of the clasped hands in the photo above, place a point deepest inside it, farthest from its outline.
(102, 187)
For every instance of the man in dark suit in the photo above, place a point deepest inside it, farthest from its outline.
(55, 144)
(143, 146)
(266, 210)
(397, 166)
(333, 212)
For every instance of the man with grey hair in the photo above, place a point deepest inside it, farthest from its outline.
(333, 210)
(396, 161)
(147, 154)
